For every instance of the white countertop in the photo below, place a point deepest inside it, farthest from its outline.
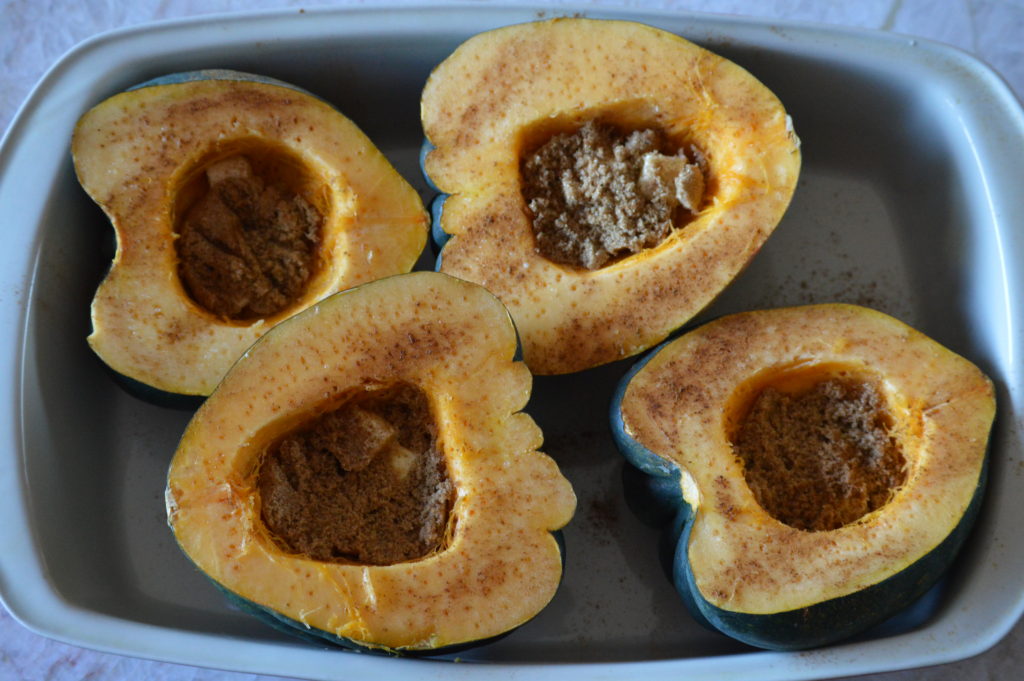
(33, 35)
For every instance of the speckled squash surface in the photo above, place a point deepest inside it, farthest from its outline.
(744, 572)
(502, 91)
(141, 156)
(501, 563)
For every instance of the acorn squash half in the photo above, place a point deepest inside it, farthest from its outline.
(237, 201)
(417, 373)
(825, 463)
(503, 96)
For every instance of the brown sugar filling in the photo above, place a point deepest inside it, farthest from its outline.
(246, 248)
(823, 458)
(599, 194)
(364, 483)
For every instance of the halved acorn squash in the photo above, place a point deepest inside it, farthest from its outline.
(825, 464)
(354, 479)
(664, 167)
(237, 201)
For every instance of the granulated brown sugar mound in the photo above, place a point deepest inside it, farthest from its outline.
(246, 249)
(821, 459)
(597, 194)
(363, 483)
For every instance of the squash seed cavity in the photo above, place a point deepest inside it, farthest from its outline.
(247, 248)
(599, 194)
(364, 483)
(822, 458)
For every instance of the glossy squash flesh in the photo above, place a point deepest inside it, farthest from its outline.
(495, 562)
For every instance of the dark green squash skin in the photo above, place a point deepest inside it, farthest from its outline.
(654, 499)
(896, 605)
(425, 148)
(839, 618)
(438, 237)
(318, 637)
(216, 74)
(155, 396)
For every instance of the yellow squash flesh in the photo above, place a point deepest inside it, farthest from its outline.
(502, 91)
(683, 405)
(139, 154)
(453, 340)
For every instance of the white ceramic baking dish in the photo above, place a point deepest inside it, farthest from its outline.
(909, 201)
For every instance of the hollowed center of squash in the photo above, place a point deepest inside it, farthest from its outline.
(363, 483)
(819, 452)
(602, 192)
(248, 232)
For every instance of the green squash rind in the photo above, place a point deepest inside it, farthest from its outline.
(217, 74)
(654, 499)
(155, 396)
(425, 148)
(840, 618)
(438, 236)
(635, 453)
